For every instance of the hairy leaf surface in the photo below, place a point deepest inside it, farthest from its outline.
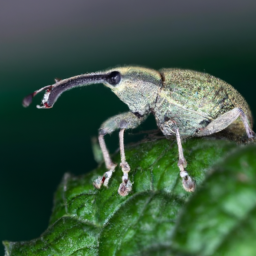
(158, 217)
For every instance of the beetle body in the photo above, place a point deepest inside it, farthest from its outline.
(185, 103)
(193, 100)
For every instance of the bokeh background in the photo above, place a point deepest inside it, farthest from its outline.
(42, 40)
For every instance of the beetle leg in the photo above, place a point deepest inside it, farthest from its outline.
(126, 185)
(108, 162)
(187, 182)
(225, 120)
(123, 121)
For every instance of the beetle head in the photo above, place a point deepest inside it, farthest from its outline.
(135, 86)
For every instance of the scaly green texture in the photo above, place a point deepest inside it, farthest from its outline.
(158, 217)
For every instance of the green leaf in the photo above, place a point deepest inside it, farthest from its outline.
(219, 218)
(158, 217)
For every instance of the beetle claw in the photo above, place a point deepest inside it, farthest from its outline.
(188, 183)
(98, 183)
(125, 187)
(104, 179)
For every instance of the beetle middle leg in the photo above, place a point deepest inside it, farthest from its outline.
(123, 121)
(187, 182)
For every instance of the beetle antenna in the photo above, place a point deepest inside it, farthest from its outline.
(52, 92)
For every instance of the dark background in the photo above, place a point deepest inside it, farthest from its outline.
(42, 40)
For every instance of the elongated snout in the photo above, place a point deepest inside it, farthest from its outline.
(53, 92)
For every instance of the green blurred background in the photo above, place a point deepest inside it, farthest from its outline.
(42, 40)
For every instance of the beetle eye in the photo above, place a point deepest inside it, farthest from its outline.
(113, 78)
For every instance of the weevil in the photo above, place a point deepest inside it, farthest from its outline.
(185, 103)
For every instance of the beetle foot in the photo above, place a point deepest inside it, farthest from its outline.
(98, 182)
(182, 163)
(187, 182)
(125, 187)
(125, 167)
(251, 135)
(104, 179)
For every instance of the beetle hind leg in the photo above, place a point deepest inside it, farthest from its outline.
(187, 182)
(225, 120)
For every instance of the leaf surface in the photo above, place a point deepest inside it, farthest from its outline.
(158, 217)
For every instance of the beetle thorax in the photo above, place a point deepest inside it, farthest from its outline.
(139, 97)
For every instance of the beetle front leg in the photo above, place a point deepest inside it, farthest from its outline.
(187, 182)
(126, 185)
(108, 162)
(123, 121)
